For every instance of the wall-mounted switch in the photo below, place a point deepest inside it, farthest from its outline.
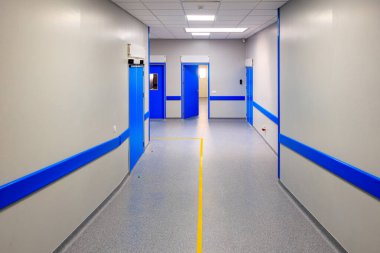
(114, 128)
(213, 92)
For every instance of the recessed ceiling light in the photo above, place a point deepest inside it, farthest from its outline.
(200, 34)
(215, 30)
(201, 17)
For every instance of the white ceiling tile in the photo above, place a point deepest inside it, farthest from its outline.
(201, 37)
(146, 18)
(140, 12)
(238, 5)
(168, 12)
(176, 29)
(269, 5)
(226, 23)
(203, 23)
(172, 18)
(251, 27)
(158, 25)
(271, 21)
(174, 22)
(176, 26)
(164, 6)
(233, 12)
(250, 23)
(183, 36)
(200, 5)
(158, 29)
(165, 37)
(258, 18)
(160, 32)
(263, 13)
(200, 12)
(226, 18)
(224, 26)
(132, 6)
(219, 35)
(194, 25)
(152, 22)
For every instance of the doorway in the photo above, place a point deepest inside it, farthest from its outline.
(136, 113)
(249, 100)
(157, 91)
(195, 90)
(203, 90)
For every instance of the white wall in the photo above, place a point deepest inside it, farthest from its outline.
(262, 48)
(330, 54)
(226, 69)
(63, 86)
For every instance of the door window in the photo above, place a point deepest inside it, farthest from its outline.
(153, 84)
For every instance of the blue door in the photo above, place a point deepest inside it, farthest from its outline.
(191, 91)
(136, 113)
(249, 78)
(157, 91)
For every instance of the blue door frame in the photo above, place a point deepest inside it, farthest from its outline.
(136, 114)
(249, 100)
(183, 84)
(158, 97)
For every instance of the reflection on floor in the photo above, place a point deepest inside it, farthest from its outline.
(244, 207)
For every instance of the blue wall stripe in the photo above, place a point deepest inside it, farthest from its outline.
(173, 97)
(149, 76)
(359, 178)
(278, 91)
(146, 115)
(26, 185)
(227, 98)
(124, 136)
(265, 112)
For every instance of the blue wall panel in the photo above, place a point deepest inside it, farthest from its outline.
(136, 113)
(249, 90)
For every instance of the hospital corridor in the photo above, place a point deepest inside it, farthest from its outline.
(176, 126)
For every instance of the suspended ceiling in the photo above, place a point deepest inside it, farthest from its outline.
(167, 18)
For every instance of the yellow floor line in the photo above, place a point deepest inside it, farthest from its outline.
(200, 198)
(200, 187)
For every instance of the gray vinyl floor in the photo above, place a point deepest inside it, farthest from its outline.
(244, 207)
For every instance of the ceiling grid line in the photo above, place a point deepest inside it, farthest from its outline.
(248, 15)
(154, 15)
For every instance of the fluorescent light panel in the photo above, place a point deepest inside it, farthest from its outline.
(215, 30)
(200, 34)
(200, 17)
